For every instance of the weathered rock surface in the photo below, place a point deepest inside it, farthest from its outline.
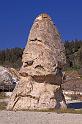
(41, 72)
(44, 49)
(8, 75)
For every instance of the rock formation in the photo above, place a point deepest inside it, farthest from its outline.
(8, 75)
(41, 72)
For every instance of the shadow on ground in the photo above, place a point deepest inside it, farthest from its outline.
(76, 105)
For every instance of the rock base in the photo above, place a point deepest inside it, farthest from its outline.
(30, 95)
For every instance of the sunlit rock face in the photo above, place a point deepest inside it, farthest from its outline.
(41, 72)
(44, 51)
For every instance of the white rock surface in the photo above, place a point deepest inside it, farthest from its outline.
(8, 75)
(41, 72)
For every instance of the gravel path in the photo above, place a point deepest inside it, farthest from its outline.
(24, 117)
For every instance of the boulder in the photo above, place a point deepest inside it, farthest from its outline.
(8, 76)
(41, 73)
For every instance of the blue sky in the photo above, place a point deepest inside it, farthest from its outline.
(17, 16)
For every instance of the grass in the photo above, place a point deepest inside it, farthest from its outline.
(73, 111)
(3, 105)
(59, 111)
(2, 95)
(81, 77)
(76, 68)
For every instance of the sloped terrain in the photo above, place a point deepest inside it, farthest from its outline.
(73, 81)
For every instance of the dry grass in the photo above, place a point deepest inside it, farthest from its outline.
(3, 105)
(73, 111)
(2, 95)
(58, 111)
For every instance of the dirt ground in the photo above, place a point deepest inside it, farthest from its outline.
(73, 81)
(24, 117)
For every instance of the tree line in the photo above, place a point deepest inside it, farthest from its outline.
(11, 57)
(73, 50)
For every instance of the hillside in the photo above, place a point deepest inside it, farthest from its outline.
(73, 81)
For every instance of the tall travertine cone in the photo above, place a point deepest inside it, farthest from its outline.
(41, 72)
